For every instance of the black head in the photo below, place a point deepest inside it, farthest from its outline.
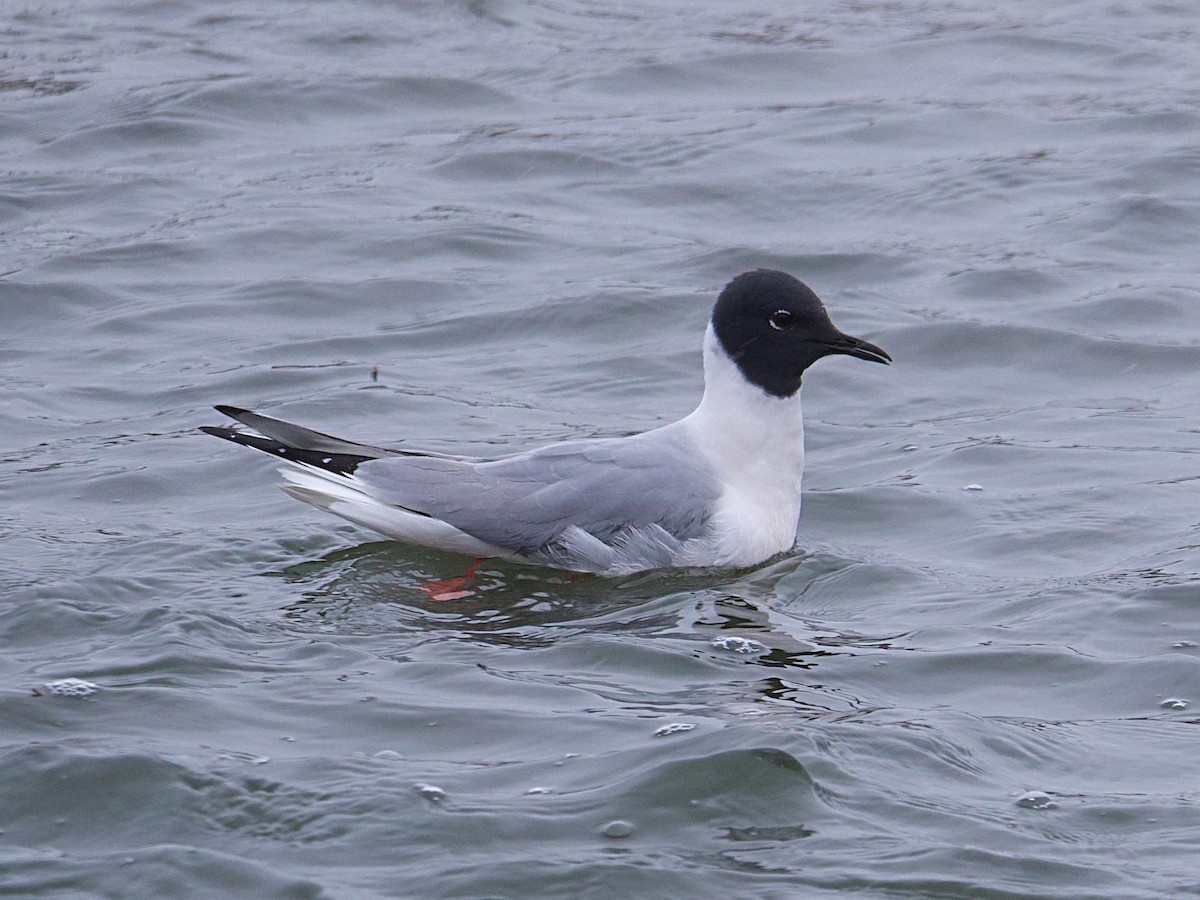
(774, 327)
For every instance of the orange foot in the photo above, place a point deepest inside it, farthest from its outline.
(453, 588)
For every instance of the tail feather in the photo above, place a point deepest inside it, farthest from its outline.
(323, 474)
(345, 497)
(322, 489)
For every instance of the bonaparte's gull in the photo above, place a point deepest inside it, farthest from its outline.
(719, 487)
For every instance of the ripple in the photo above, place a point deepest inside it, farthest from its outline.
(71, 687)
(484, 226)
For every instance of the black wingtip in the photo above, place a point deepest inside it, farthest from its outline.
(338, 463)
(232, 411)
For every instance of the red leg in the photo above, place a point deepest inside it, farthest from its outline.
(453, 588)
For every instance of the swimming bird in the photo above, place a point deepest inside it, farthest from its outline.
(719, 487)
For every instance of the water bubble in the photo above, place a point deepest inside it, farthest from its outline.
(540, 790)
(909, 448)
(1184, 645)
(618, 828)
(1036, 800)
(388, 754)
(71, 687)
(973, 487)
(738, 645)
(673, 728)
(1175, 703)
(430, 792)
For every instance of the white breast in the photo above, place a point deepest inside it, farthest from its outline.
(755, 444)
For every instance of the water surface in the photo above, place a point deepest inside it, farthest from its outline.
(484, 226)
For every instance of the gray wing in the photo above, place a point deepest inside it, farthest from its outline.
(615, 491)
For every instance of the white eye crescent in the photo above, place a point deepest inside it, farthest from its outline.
(781, 320)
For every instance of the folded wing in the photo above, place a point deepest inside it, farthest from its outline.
(596, 505)
(639, 495)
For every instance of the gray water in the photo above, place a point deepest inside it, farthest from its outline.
(481, 226)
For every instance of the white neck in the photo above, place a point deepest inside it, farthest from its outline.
(755, 444)
(743, 429)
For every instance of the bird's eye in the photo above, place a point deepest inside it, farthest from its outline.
(781, 320)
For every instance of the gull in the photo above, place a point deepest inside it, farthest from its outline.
(718, 488)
